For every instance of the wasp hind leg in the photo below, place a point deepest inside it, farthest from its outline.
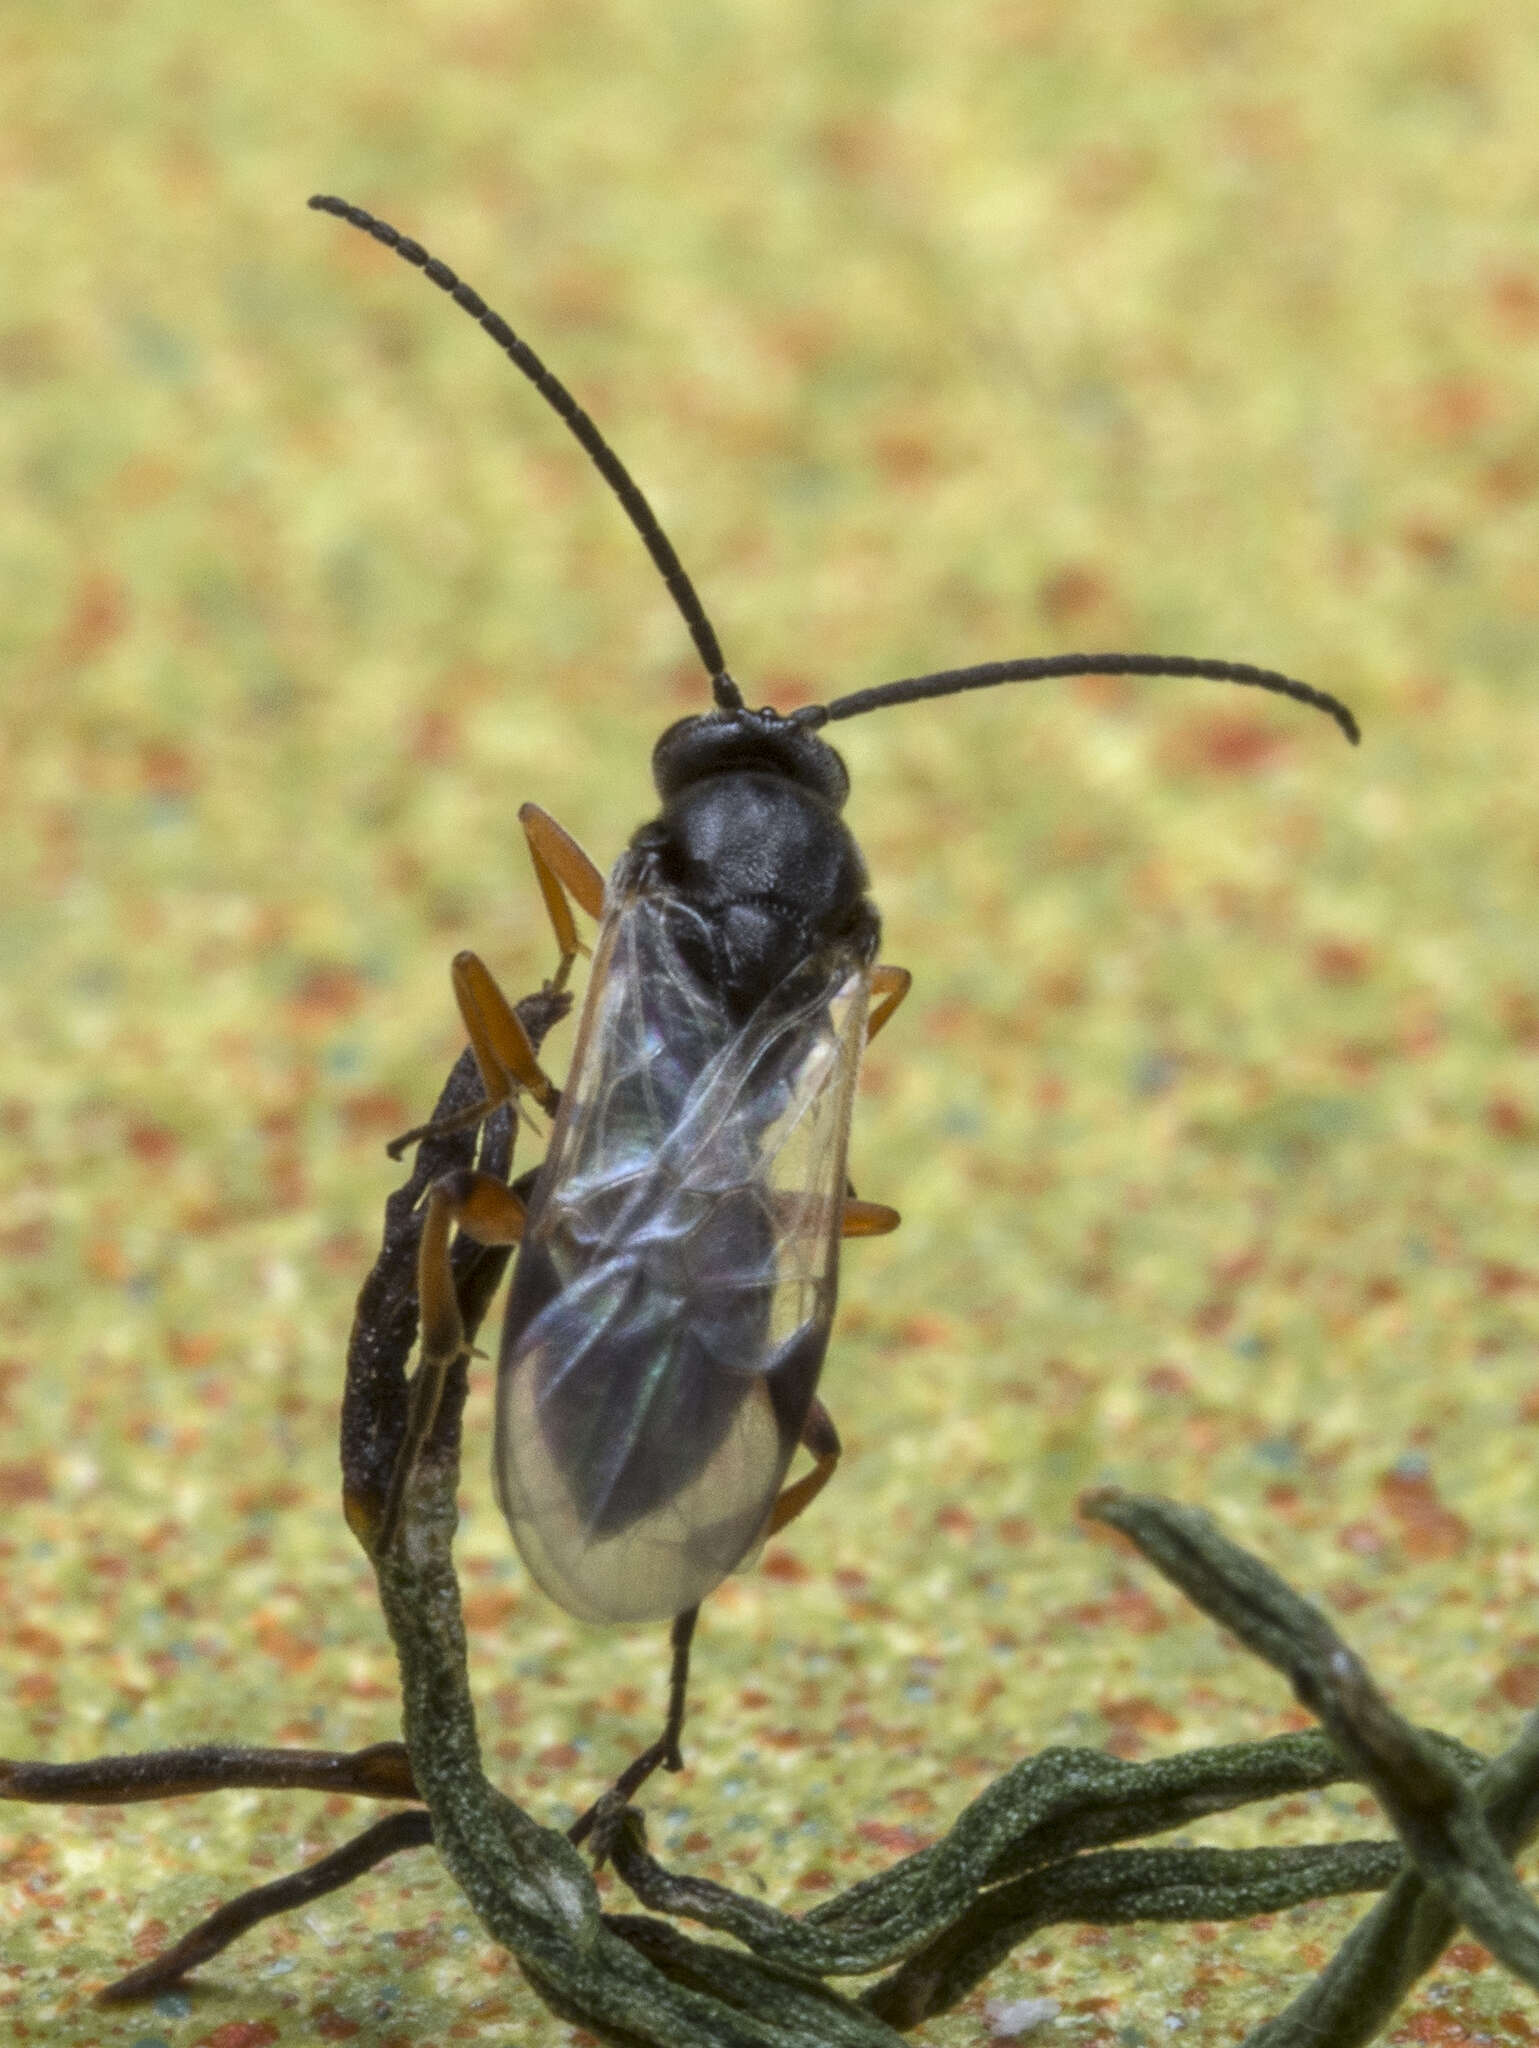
(819, 1437)
(664, 1753)
(492, 1214)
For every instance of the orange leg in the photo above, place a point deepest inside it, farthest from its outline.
(889, 985)
(565, 874)
(821, 1438)
(501, 1046)
(868, 1219)
(498, 1040)
(857, 1219)
(492, 1214)
(503, 1053)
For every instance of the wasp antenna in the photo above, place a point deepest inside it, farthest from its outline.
(947, 682)
(561, 401)
(726, 693)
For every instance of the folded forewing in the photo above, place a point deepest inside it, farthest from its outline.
(676, 1283)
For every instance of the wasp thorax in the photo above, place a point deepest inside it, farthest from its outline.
(731, 742)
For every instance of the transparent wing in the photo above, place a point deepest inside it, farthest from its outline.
(675, 1286)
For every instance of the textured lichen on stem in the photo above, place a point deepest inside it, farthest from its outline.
(1458, 1829)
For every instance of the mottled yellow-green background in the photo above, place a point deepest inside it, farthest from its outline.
(939, 333)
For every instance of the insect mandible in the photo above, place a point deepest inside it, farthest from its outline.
(679, 1246)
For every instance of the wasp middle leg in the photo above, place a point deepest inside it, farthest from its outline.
(889, 985)
(504, 1055)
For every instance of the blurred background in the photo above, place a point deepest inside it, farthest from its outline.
(936, 334)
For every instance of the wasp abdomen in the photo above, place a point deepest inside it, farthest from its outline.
(675, 1287)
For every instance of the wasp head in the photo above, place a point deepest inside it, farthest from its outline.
(736, 739)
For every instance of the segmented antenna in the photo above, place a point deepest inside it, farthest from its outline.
(947, 682)
(554, 392)
(728, 697)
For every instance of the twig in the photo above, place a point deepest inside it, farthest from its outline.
(1457, 1832)
(397, 1831)
(382, 1771)
(1033, 1850)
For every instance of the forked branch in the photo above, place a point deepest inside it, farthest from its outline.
(1045, 1844)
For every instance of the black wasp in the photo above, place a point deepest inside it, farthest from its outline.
(679, 1246)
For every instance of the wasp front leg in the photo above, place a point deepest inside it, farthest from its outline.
(491, 1213)
(501, 1045)
(565, 875)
